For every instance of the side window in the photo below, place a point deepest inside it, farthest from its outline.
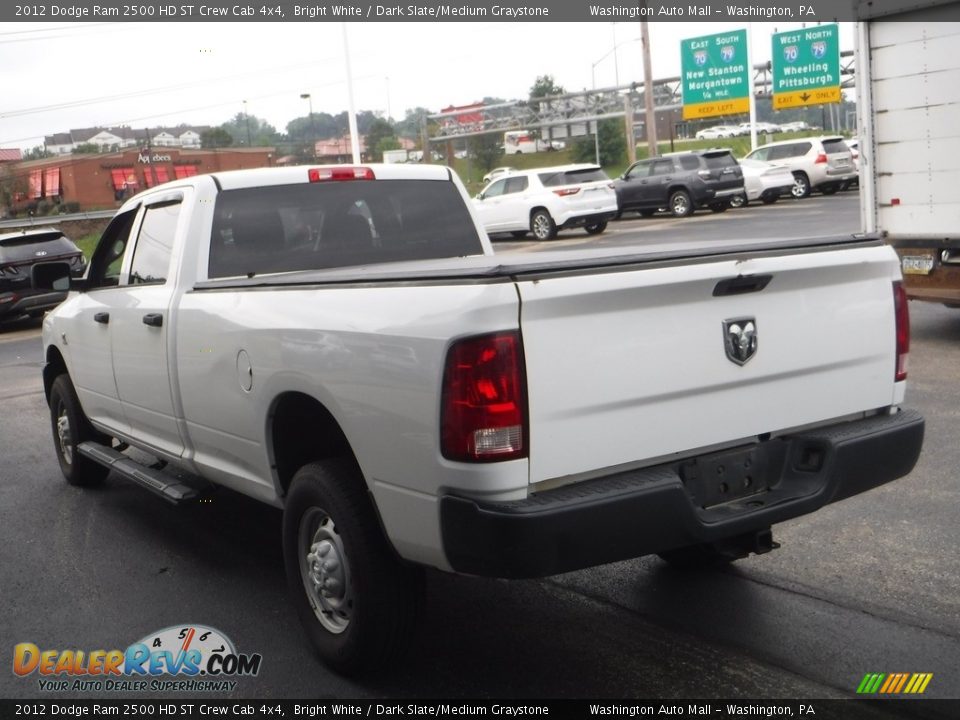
(516, 184)
(496, 189)
(689, 162)
(662, 167)
(108, 255)
(640, 170)
(154, 248)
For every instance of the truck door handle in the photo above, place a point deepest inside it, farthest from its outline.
(153, 319)
(102, 317)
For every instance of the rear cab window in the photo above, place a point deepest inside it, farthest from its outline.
(316, 226)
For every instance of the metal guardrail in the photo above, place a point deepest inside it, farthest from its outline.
(41, 221)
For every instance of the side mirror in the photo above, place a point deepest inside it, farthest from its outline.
(52, 276)
(479, 196)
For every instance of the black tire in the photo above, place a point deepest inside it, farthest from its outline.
(739, 201)
(595, 228)
(719, 207)
(801, 185)
(829, 189)
(542, 225)
(368, 618)
(769, 199)
(518, 234)
(680, 204)
(70, 428)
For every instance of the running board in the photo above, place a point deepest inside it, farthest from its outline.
(169, 488)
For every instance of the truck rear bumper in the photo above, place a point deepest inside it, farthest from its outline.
(654, 509)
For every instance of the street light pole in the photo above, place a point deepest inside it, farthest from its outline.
(246, 118)
(616, 77)
(313, 130)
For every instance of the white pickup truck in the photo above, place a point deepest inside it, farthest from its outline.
(342, 343)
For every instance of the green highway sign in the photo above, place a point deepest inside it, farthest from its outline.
(806, 67)
(715, 75)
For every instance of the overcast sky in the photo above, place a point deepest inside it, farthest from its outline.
(62, 76)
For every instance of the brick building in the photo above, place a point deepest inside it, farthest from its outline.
(102, 181)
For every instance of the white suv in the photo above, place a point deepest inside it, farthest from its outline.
(545, 200)
(824, 164)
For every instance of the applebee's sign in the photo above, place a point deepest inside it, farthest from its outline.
(147, 159)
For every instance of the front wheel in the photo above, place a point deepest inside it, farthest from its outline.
(595, 228)
(542, 225)
(356, 600)
(70, 428)
(738, 201)
(680, 204)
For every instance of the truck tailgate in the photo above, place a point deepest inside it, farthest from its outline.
(631, 365)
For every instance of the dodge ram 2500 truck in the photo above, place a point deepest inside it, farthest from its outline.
(342, 343)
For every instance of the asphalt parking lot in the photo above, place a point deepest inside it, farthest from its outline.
(866, 585)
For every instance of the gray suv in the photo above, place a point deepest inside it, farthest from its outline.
(681, 183)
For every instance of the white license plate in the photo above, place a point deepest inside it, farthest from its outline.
(916, 264)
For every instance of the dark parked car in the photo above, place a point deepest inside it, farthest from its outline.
(681, 183)
(19, 253)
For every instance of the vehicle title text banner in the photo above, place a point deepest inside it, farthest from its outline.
(807, 11)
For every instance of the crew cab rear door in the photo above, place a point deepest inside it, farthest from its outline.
(632, 365)
(140, 324)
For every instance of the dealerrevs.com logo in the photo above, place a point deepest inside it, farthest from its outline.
(180, 658)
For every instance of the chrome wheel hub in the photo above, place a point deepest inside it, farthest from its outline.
(541, 227)
(63, 435)
(325, 571)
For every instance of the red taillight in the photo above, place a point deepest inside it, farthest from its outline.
(567, 191)
(328, 174)
(821, 158)
(902, 313)
(484, 397)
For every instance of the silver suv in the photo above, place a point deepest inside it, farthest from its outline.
(824, 164)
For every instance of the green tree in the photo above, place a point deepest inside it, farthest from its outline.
(613, 145)
(487, 149)
(37, 153)
(544, 86)
(87, 149)
(380, 137)
(215, 138)
(251, 131)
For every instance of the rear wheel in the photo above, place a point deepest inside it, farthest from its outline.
(356, 600)
(542, 225)
(801, 185)
(70, 428)
(680, 204)
(719, 207)
(595, 228)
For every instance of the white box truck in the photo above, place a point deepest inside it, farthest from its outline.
(908, 103)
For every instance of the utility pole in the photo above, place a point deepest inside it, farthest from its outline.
(651, 115)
